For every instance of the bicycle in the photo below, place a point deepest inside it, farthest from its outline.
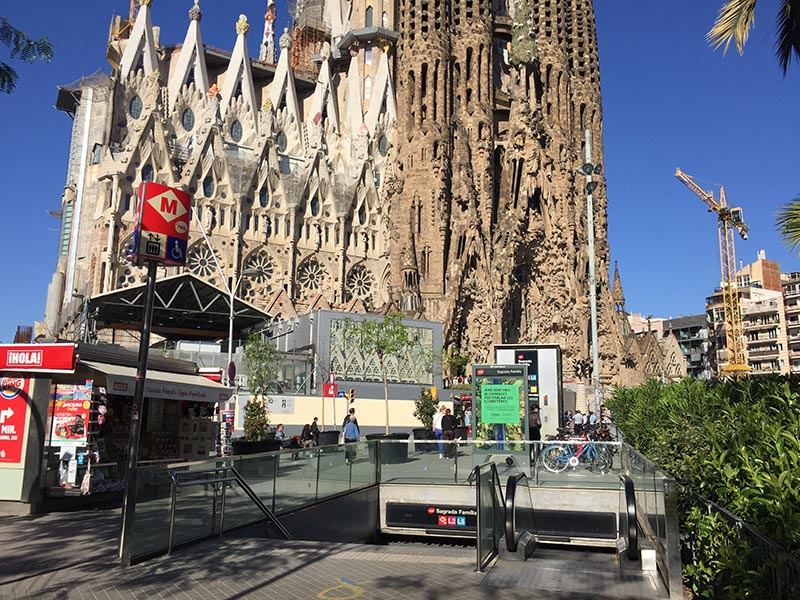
(557, 457)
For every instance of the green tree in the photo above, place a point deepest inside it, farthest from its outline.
(385, 338)
(737, 17)
(262, 362)
(22, 48)
(425, 407)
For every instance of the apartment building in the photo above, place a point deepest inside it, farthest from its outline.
(791, 300)
(692, 335)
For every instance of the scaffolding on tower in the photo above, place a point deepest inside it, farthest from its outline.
(309, 32)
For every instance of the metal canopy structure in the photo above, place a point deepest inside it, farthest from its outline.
(186, 308)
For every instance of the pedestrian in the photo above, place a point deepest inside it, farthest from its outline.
(351, 433)
(306, 437)
(535, 430)
(449, 434)
(437, 428)
(577, 422)
(315, 431)
(350, 413)
(592, 418)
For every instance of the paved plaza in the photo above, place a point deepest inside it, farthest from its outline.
(73, 555)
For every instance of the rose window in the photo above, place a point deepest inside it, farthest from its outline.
(359, 282)
(258, 274)
(310, 276)
(126, 274)
(201, 261)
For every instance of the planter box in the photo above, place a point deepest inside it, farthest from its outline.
(391, 453)
(244, 447)
(329, 438)
(422, 439)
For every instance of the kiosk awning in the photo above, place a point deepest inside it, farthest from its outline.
(161, 384)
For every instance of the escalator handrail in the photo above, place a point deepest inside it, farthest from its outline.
(633, 525)
(511, 498)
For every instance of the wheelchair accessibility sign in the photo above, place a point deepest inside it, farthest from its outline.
(162, 224)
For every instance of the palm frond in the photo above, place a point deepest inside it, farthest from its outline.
(733, 24)
(8, 78)
(788, 43)
(788, 222)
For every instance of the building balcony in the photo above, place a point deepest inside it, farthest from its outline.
(763, 353)
(750, 325)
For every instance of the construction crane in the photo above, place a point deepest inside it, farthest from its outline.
(728, 220)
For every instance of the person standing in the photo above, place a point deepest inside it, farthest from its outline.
(351, 433)
(437, 428)
(315, 431)
(577, 422)
(449, 433)
(350, 413)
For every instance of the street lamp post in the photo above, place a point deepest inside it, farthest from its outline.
(588, 169)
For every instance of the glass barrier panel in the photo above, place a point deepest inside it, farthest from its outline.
(334, 471)
(151, 525)
(296, 482)
(486, 516)
(362, 469)
(258, 471)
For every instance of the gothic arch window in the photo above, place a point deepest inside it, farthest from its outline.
(360, 283)
(208, 186)
(135, 107)
(147, 173)
(384, 20)
(367, 87)
(368, 17)
(310, 276)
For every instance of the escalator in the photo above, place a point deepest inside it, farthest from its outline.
(536, 553)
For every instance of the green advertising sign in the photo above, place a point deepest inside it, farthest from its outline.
(500, 403)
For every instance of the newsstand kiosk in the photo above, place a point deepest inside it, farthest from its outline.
(65, 413)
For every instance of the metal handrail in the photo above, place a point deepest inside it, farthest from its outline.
(497, 491)
(225, 479)
(511, 509)
(632, 534)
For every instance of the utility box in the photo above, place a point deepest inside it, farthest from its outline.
(545, 388)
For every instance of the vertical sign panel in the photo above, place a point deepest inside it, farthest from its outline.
(14, 397)
(162, 224)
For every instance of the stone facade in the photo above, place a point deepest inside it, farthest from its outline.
(429, 165)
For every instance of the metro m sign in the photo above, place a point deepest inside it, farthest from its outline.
(162, 224)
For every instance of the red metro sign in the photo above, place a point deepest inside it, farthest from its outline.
(162, 224)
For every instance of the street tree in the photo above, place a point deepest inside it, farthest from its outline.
(262, 362)
(22, 48)
(385, 338)
(737, 17)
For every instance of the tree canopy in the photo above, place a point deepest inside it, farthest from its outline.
(737, 17)
(22, 48)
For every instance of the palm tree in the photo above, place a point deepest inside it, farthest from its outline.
(736, 19)
(788, 220)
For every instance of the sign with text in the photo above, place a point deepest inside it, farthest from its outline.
(13, 418)
(162, 224)
(71, 409)
(431, 516)
(37, 357)
(329, 390)
(500, 403)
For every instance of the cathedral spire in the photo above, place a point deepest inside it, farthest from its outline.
(239, 77)
(616, 291)
(141, 45)
(192, 60)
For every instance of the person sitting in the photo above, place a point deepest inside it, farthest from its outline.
(280, 434)
(306, 437)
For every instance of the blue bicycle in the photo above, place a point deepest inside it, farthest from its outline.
(557, 457)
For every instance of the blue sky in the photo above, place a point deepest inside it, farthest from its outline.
(668, 101)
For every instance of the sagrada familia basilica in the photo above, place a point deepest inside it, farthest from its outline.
(411, 155)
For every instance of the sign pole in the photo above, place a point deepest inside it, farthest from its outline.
(129, 501)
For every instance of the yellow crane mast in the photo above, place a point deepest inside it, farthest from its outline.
(728, 220)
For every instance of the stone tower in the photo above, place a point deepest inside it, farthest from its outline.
(412, 155)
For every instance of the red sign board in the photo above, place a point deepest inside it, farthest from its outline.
(162, 224)
(13, 417)
(37, 357)
(329, 390)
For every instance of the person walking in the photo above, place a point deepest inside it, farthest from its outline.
(535, 430)
(577, 422)
(351, 433)
(437, 428)
(449, 423)
(350, 413)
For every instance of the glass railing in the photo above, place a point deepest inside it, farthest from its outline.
(570, 463)
(282, 481)
(657, 511)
